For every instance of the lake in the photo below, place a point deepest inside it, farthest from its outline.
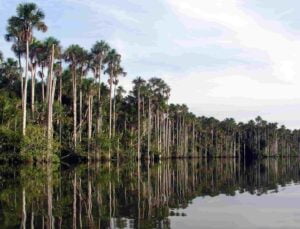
(217, 193)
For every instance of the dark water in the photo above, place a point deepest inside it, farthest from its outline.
(170, 194)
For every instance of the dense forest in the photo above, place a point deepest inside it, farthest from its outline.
(66, 103)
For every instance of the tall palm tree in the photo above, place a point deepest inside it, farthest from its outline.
(35, 48)
(113, 61)
(149, 94)
(91, 92)
(113, 69)
(73, 56)
(14, 34)
(28, 18)
(118, 97)
(99, 52)
(52, 47)
(139, 82)
(118, 72)
(84, 63)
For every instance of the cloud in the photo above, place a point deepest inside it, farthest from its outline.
(232, 58)
(266, 78)
(248, 31)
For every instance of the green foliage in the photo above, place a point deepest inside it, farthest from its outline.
(104, 142)
(35, 145)
(9, 140)
(8, 108)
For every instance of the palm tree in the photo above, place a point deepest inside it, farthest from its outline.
(114, 69)
(54, 51)
(149, 94)
(91, 92)
(73, 56)
(42, 60)
(119, 72)
(14, 34)
(138, 83)
(58, 70)
(29, 17)
(113, 61)
(118, 97)
(99, 52)
(35, 48)
(84, 64)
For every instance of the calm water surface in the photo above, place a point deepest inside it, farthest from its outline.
(171, 194)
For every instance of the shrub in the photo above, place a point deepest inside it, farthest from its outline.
(9, 140)
(35, 145)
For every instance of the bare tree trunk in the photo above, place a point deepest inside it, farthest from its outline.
(149, 128)
(33, 72)
(90, 204)
(43, 85)
(74, 201)
(50, 96)
(114, 112)
(90, 119)
(60, 102)
(110, 111)
(139, 194)
(80, 109)
(99, 100)
(32, 219)
(24, 215)
(21, 74)
(24, 92)
(139, 124)
(49, 197)
(74, 107)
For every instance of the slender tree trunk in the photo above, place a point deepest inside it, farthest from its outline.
(90, 119)
(21, 74)
(99, 99)
(75, 201)
(80, 109)
(90, 203)
(74, 107)
(114, 112)
(33, 72)
(24, 214)
(110, 111)
(110, 106)
(60, 102)
(50, 197)
(139, 124)
(50, 96)
(43, 85)
(149, 128)
(24, 92)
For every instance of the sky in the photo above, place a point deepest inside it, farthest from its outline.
(223, 58)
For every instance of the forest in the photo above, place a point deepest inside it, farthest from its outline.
(65, 103)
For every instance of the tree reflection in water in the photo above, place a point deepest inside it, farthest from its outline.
(127, 195)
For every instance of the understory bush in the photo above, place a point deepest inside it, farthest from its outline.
(34, 146)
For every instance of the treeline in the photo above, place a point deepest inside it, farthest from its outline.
(55, 104)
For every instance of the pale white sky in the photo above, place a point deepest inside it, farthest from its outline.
(223, 58)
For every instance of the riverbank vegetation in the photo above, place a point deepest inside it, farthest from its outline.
(58, 103)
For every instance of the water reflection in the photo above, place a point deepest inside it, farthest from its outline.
(128, 195)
